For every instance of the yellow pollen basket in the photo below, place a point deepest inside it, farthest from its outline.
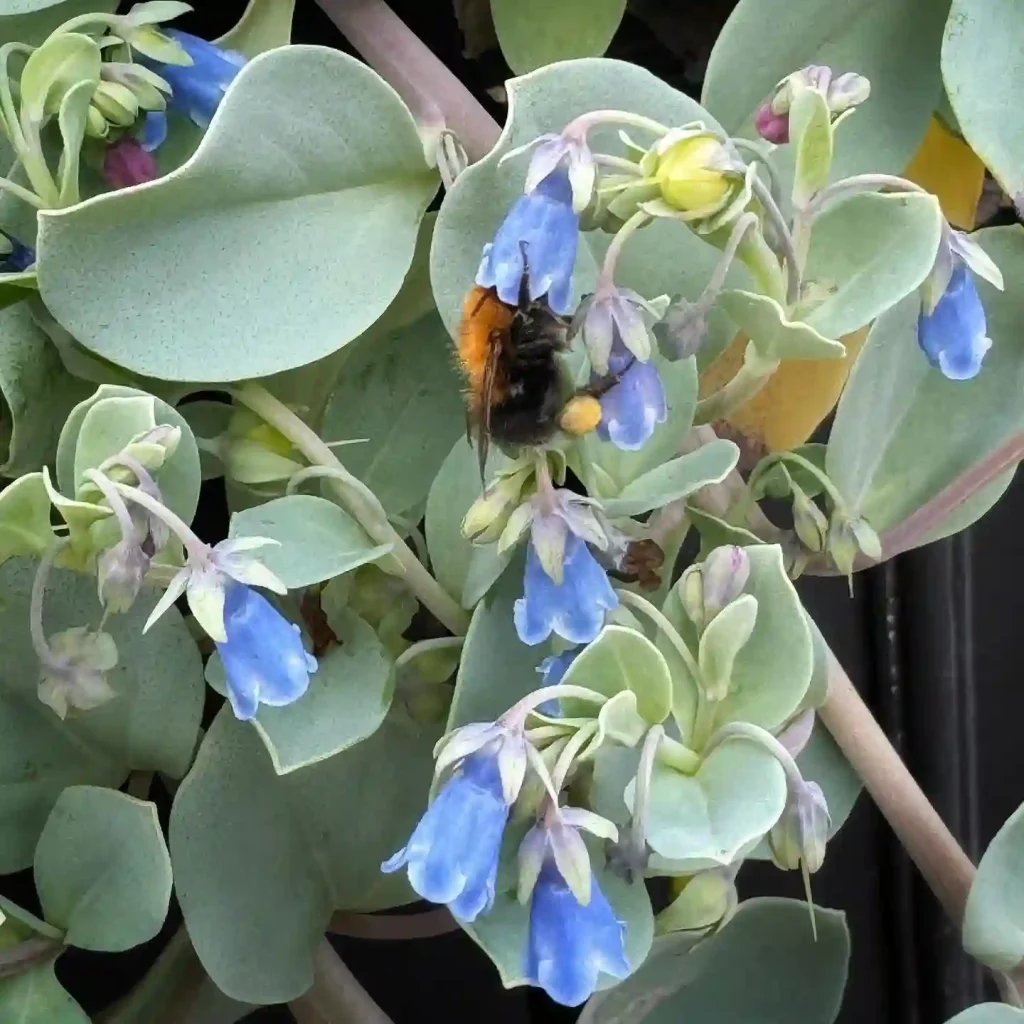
(581, 415)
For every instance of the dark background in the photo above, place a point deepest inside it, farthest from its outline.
(929, 640)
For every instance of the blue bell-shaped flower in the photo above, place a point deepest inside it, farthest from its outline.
(954, 335)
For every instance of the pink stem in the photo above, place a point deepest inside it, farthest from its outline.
(426, 85)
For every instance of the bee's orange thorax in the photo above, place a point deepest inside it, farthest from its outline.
(483, 313)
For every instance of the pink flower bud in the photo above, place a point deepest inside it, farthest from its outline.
(771, 126)
(126, 163)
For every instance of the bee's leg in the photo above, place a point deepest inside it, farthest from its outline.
(524, 281)
(604, 384)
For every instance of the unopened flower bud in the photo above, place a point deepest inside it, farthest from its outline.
(849, 537)
(489, 514)
(809, 521)
(690, 173)
(120, 571)
(801, 834)
(691, 594)
(126, 163)
(771, 126)
(726, 571)
(684, 329)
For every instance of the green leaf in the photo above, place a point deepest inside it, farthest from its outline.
(459, 565)
(772, 671)
(663, 258)
(13, 8)
(102, 869)
(533, 33)
(719, 814)
(151, 725)
(872, 250)
(982, 70)
(105, 422)
(25, 517)
(17, 286)
(675, 479)
(620, 468)
(902, 431)
(318, 539)
(264, 25)
(810, 131)
(36, 392)
(772, 333)
(36, 997)
(969, 512)
(989, 1013)
(715, 532)
(401, 392)
(53, 70)
(300, 192)
(723, 639)
(502, 933)
(993, 927)
(894, 43)
(348, 697)
(281, 853)
(623, 659)
(497, 668)
(765, 966)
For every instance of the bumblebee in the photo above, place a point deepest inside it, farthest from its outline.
(509, 355)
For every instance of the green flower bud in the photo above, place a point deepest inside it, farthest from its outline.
(691, 594)
(148, 88)
(726, 571)
(73, 673)
(116, 103)
(489, 514)
(809, 521)
(801, 834)
(692, 172)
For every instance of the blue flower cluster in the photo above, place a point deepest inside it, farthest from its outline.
(452, 857)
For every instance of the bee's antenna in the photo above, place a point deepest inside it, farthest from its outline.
(524, 281)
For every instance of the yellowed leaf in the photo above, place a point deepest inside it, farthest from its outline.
(948, 167)
(786, 411)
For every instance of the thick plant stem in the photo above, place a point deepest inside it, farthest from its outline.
(416, 576)
(413, 71)
(336, 996)
(946, 869)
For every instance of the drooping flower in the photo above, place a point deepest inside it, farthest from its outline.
(841, 93)
(128, 163)
(198, 88)
(551, 151)
(952, 330)
(121, 569)
(565, 589)
(73, 670)
(18, 257)
(615, 313)
(452, 855)
(633, 407)
(263, 657)
(574, 933)
(954, 335)
(537, 238)
(801, 834)
(554, 666)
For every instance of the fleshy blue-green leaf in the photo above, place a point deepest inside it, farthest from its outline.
(264, 24)
(873, 249)
(31, 21)
(773, 669)
(318, 539)
(348, 697)
(772, 332)
(457, 563)
(36, 392)
(497, 668)
(297, 250)
(993, 927)
(895, 43)
(989, 1013)
(151, 725)
(400, 390)
(25, 517)
(982, 70)
(902, 431)
(104, 423)
(36, 997)
(663, 258)
(623, 659)
(764, 967)
(261, 860)
(102, 869)
(533, 33)
(711, 818)
(674, 479)
(503, 932)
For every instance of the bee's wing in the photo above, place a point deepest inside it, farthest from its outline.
(483, 437)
